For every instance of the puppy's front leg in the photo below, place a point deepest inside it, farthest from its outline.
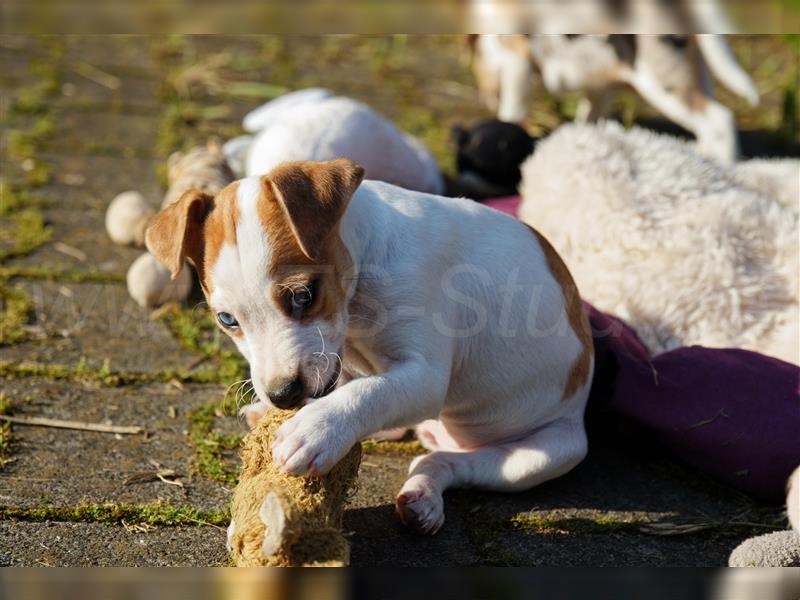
(322, 432)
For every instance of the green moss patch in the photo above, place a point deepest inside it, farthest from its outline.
(60, 275)
(196, 331)
(15, 310)
(535, 524)
(209, 444)
(117, 514)
(5, 432)
(14, 198)
(104, 375)
(24, 232)
(607, 525)
(405, 448)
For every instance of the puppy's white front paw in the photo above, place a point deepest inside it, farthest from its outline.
(313, 440)
(420, 505)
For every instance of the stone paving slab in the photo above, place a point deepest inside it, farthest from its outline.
(81, 93)
(611, 550)
(96, 322)
(82, 231)
(64, 467)
(96, 545)
(100, 178)
(119, 55)
(109, 131)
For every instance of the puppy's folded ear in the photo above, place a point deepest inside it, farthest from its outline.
(313, 197)
(176, 233)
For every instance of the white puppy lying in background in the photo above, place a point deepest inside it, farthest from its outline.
(314, 124)
(378, 307)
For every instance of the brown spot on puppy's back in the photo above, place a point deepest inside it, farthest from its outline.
(579, 372)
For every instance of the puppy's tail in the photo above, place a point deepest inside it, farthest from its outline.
(722, 63)
(266, 114)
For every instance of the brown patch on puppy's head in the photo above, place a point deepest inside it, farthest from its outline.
(194, 228)
(313, 197)
(302, 205)
(177, 231)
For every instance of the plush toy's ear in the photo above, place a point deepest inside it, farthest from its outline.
(273, 517)
(176, 233)
(313, 197)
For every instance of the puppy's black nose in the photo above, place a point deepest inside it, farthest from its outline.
(287, 394)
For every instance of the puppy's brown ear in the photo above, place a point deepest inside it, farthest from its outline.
(313, 197)
(176, 233)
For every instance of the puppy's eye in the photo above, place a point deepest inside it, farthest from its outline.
(303, 298)
(227, 320)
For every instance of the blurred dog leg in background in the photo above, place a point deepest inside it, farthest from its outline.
(670, 71)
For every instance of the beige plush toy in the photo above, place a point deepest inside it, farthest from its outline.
(127, 218)
(129, 214)
(280, 520)
(150, 284)
(779, 548)
(203, 168)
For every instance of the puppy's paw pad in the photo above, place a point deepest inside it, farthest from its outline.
(421, 510)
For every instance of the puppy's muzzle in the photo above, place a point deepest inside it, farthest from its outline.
(287, 394)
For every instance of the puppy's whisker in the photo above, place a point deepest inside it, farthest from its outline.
(322, 352)
(341, 368)
(240, 384)
(318, 384)
(247, 396)
(367, 319)
(228, 389)
(244, 393)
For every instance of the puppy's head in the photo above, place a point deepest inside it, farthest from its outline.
(494, 151)
(273, 268)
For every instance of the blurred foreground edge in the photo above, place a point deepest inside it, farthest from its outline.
(386, 16)
(390, 584)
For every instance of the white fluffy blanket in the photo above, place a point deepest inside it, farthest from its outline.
(314, 124)
(684, 249)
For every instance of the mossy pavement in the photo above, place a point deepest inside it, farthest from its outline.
(86, 118)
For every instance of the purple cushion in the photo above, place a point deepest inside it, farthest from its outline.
(733, 414)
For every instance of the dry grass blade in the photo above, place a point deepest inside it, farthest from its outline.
(79, 425)
(164, 475)
(670, 529)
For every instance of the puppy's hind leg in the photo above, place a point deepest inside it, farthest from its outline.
(549, 452)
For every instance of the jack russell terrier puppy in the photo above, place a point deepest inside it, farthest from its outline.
(670, 72)
(377, 307)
